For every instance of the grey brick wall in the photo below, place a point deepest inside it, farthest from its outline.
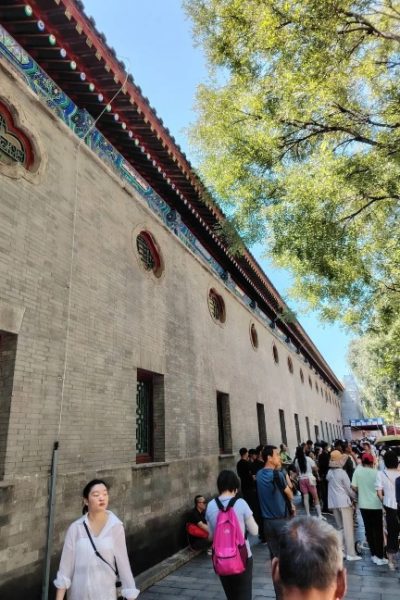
(91, 318)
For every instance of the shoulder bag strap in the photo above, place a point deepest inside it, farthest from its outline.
(97, 553)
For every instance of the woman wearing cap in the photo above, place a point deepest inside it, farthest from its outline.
(363, 482)
(340, 500)
(386, 490)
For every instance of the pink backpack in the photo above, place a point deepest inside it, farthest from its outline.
(229, 552)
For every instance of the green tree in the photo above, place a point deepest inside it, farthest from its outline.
(371, 360)
(298, 136)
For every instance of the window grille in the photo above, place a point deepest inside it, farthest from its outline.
(144, 425)
(216, 306)
(254, 336)
(224, 423)
(275, 354)
(145, 253)
(283, 426)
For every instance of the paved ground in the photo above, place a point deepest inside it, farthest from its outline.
(196, 580)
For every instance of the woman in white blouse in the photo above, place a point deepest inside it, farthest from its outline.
(84, 574)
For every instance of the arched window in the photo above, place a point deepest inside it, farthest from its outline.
(15, 147)
(290, 364)
(310, 382)
(301, 375)
(275, 354)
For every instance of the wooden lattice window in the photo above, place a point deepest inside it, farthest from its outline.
(224, 423)
(216, 306)
(283, 426)
(15, 147)
(275, 354)
(144, 419)
(297, 427)
(254, 336)
(148, 253)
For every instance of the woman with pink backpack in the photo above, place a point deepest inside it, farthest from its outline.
(229, 519)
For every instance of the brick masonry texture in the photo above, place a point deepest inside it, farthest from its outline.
(89, 316)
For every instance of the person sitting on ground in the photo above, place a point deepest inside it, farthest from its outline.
(310, 563)
(197, 517)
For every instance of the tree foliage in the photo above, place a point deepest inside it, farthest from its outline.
(299, 138)
(376, 363)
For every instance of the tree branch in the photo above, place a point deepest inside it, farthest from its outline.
(372, 200)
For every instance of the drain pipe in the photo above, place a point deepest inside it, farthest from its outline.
(50, 525)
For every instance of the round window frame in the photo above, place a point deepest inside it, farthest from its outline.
(158, 267)
(275, 354)
(220, 301)
(253, 336)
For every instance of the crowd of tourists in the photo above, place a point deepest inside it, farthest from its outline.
(332, 479)
(307, 553)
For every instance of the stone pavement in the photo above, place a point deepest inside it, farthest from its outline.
(196, 579)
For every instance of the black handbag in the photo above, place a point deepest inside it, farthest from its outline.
(118, 583)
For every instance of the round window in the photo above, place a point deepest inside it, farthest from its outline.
(216, 306)
(148, 253)
(254, 336)
(275, 354)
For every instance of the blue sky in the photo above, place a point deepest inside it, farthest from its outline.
(155, 41)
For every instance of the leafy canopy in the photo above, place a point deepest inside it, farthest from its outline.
(299, 138)
(376, 363)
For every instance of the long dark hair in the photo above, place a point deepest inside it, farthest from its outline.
(87, 489)
(301, 459)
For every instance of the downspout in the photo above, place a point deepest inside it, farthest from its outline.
(50, 524)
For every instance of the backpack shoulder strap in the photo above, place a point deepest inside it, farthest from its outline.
(219, 504)
(230, 504)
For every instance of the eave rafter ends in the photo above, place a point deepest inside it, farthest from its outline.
(160, 160)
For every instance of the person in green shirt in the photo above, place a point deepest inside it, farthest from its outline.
(363, 482)
(285, 458)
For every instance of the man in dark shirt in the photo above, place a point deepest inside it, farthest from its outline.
(323, 468)
(244, 472)
(272, 489)
(197, 516)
